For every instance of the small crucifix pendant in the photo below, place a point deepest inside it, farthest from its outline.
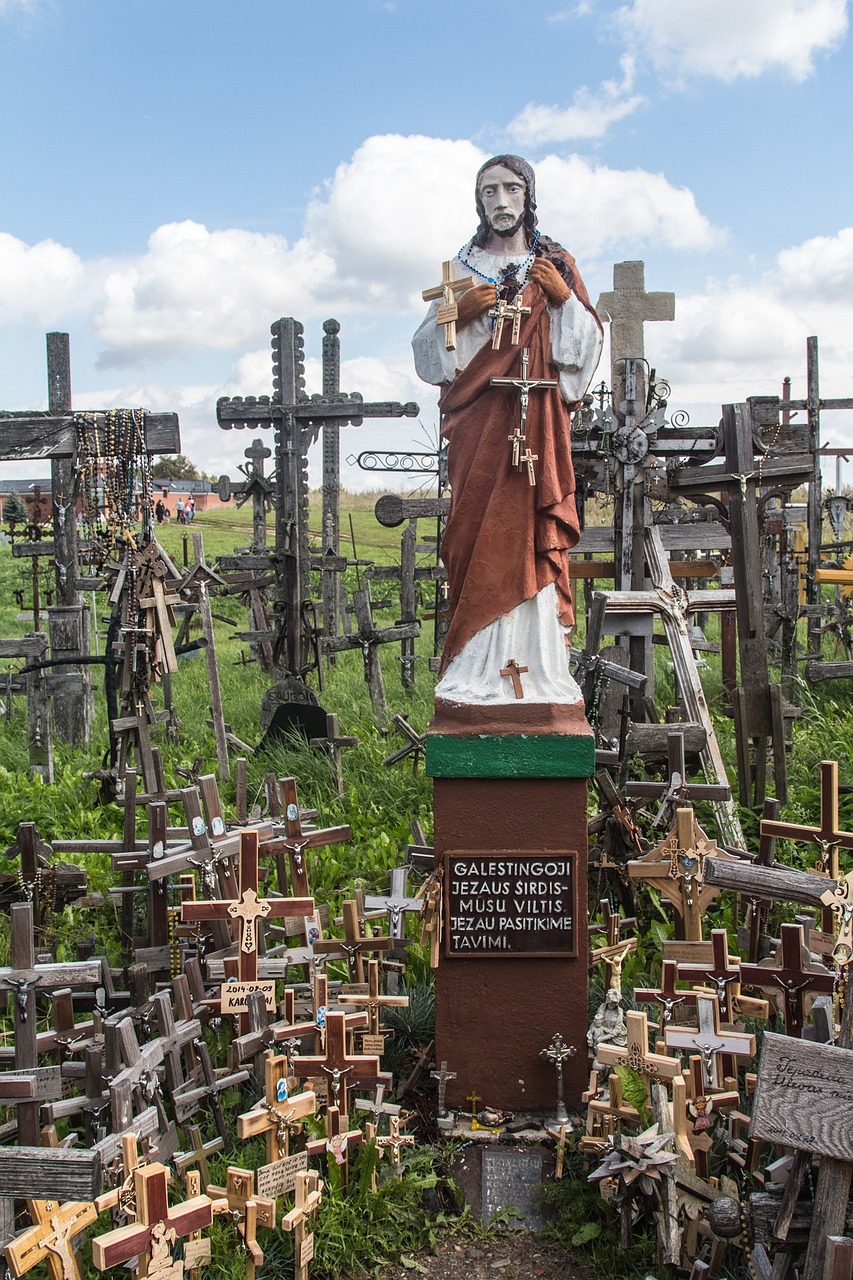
(515, 672)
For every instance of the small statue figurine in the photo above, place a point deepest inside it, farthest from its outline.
(608, 1026)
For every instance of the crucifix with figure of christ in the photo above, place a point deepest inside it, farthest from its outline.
(708, 1040)
(521, 456)
(51, 1238)
(675, 868)
(504, 310)
(792, 975)
(340, 1068)
(448, 313)
(278, 1111)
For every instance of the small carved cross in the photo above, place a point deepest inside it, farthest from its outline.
(448, 313)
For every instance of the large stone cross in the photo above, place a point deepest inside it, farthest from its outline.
(629, 307)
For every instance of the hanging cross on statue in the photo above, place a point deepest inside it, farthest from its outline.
(515, 672)
(525, 385)
(502, 311)
(448, 313)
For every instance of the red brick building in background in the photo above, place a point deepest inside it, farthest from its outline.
(203, 493)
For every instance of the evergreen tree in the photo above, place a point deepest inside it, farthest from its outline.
(14, 510)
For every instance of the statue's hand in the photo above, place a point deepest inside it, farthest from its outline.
(551, 282)
(475, 302)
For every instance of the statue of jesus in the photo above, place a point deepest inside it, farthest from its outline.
(510, 528)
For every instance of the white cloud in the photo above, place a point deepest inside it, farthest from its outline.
(590, 115)
(729, 39)
(595, 210)
(37, 282)
(196, 289)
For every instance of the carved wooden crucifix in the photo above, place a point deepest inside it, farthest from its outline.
(156, 1230)
(791, 974)
(504, 310)
(339, 1067)
(374, 1002)
(51, 1238)
(278, 1111)
(675, 868)
(635, 1054)
(309, 1192)
(448, 313)
(709, 1040)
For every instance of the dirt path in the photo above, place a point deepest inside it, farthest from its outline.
(516, 1256)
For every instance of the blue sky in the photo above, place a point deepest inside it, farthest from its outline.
(176, 175)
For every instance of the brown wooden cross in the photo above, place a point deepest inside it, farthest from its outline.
(667, 995)
(295, 840)
(675, 868)
(616, 948)
(504, 310)
(339, 1067)
(248, 909)
(249, 1211)
(156, 1230)
(791, 975)
(448, 313)
(51, 1238)
(635, 1054)
(709, 1040)
(515, 672)
(723, 972)
(338, 1140)
(353, 945)
(184, 1160)
(394, 1142)
(309, 1192)
(374, 1002)
(279, 1110)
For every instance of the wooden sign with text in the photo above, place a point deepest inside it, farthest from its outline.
(234, 996)
(279, 1178)
(804, 1097)
(510, 904)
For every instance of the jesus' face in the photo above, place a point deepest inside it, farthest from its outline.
(502, 194)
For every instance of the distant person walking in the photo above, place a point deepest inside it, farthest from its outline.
(189, 510)
(179, 507)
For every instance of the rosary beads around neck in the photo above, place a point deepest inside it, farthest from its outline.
(512, 270)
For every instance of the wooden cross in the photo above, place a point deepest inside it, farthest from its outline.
(337, 1142)
(376, 1106)
(724, 971)
(248, 909)
(635, 1054)
(839, 901)
(667, 995)
(515, 672)
(249, 1211)
(559, 1135)
(196, 1246)
(675, 788)
(295, 840)
(709, 1040)
(122, 1193)
(191, 1096)
(309, 1192)
(675, 867)
(616, 948)
(156, 1229)
(184, 1160)
(792, 975)
(397, 903)
(279, 1110)
(448, 313)
(394, 1142)
(51, 1238)
(503, 310)
(373, 1001)
(353, 945)
(827, 836)
(339, 1067)
(333, 744)
(442, 1076)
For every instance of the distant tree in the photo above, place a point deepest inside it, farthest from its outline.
(14, 511)
(175, 467)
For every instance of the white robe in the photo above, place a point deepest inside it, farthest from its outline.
(532, 632)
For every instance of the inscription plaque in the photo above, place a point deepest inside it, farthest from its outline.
(510, 903)
(512, 1180)
(804, 1096)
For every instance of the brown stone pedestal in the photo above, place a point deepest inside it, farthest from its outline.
(495, 1013)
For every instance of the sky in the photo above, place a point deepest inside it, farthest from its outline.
(176, 175)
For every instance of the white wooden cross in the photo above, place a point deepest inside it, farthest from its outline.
(709, 1041)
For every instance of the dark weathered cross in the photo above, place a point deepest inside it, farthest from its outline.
(298, 419)
(791, 971)
(629, 308)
